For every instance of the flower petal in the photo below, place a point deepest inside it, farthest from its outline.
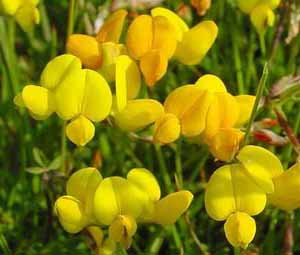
(240, 229)
(153, 65)
(286, 189)
(230, 190)
(70, 215)
(246, 104)
(117, 196)
(97, 99)
(138, 114)
(196, 42)
(262, 17)
(128, 80)
(10, 7)
(140, 36)
(38, 100)
(164, 39)
(145, 181)
(80, 131)
(211, 83)
(58, 69)
(86, 48)
(166, 129)
(261, 165)
(112, 27)
(179, 26)
(27, 16)
(170, 208)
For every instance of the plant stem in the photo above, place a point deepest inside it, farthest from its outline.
(63, 149)
(262, 44)
(71, 19)
(237, 250)
(259, 94)
(4, 245)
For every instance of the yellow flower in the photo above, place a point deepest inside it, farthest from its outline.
(155, 39)
(75, 210)
(207, 111)
(77, 95)
(24, 11)
(286, 188)
(201, 6)
(117, 203)
(99, 51)
(193, 43)
(237, 191)
(261, 12)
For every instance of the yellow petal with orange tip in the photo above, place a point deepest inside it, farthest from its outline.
(38, 100)
(225, 144)
(260, 165)
(166, 129)
(138, 114)
(201, 6)
(80, 131)
(112, 27)
(164, 39)
(153, 65)
(179, 26)
(286, 189)
(86, 48)
(128, 80)
(240, 229)
(140, 36)
(122, 230)
(211, 83)
(70, 214)
(97, 98)
(196, 42)
(168, 210)
(245, 103)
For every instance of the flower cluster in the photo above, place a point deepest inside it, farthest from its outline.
(205, 112)
(118, 204)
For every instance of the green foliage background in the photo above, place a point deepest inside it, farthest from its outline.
(27, 223)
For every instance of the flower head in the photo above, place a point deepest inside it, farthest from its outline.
(117, 203)
(76, 95)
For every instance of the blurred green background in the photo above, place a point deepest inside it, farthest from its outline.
(30, 179)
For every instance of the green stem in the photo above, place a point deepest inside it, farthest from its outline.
(262, 44)
(178, 164)
(237, 250)
(259, 94)
(238, 65)
(71, 19)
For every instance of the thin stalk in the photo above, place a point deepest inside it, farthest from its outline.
(262, 44)
(63, 149)
(71, 18)
(238, 64)
(237, 251)
(259, 94)
(178, 164)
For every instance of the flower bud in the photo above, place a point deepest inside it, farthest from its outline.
(166, 129)
(240, 229)
(262, 17)
(201, 6)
